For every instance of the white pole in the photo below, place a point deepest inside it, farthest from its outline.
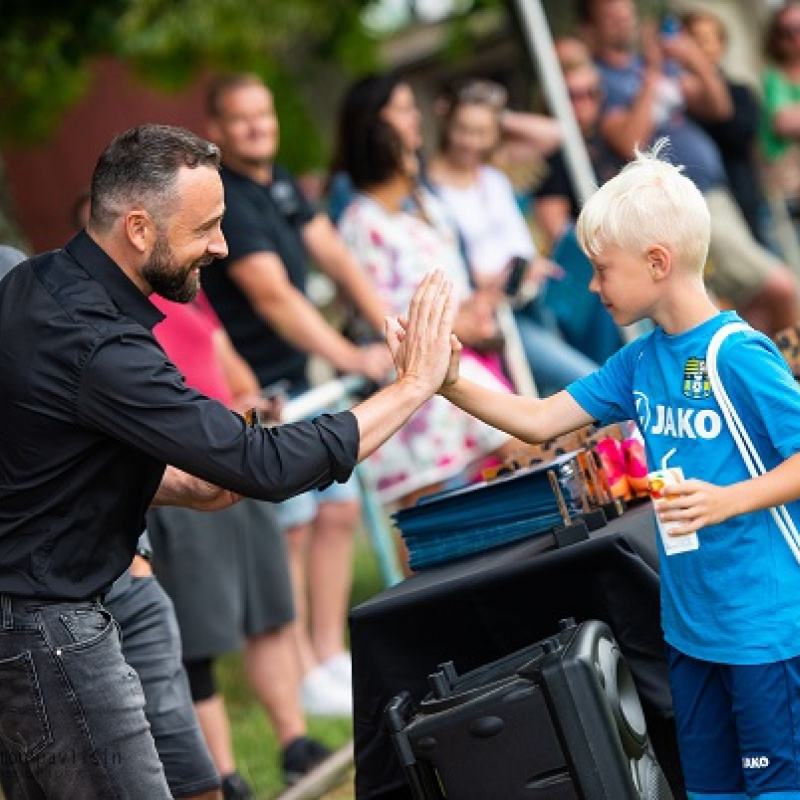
(539, 40)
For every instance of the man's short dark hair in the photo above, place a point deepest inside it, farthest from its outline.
(221, 85)
(141, 166)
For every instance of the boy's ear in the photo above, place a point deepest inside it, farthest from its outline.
(659, 262)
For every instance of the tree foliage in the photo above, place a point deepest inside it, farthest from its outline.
(47, 48)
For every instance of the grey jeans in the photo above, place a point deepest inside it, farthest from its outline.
(71, 709)
(151, 644)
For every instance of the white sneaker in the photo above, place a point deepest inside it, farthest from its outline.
(323, 696)
(340, 668)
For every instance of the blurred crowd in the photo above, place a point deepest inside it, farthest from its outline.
(275, 579)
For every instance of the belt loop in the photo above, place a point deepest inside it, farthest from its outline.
(8, 614)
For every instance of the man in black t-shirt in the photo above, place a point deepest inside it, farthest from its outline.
(259, 293)
(273, 232)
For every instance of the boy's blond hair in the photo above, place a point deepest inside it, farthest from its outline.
(649, 202)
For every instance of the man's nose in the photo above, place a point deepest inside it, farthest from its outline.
(218, 247)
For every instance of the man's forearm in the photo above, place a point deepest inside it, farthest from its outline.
(384, 413)
(709, 99)
(178, 488)
(786, 122)
(333, 257)
(299, 322)
(626, 129)
(361, 293)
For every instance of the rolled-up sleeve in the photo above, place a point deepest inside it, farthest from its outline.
(129, 390)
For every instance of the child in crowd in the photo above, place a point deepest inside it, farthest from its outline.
(730, 607)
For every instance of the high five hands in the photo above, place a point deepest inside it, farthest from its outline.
(423, 346)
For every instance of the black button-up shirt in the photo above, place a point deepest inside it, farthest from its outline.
(91, 410)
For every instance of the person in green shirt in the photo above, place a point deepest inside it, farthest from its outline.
(780, 132)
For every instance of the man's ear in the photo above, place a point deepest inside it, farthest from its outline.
(213, 131)
(659, 262)
(140, 229)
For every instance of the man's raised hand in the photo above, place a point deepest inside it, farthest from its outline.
(422, 346)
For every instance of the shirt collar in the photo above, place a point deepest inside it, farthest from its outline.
(124, 293)
(232, 173)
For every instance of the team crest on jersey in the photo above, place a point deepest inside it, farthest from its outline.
(696, 385)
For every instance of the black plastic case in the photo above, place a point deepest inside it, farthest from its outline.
(559, 720)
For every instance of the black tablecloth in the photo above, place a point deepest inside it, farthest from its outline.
(477, 610)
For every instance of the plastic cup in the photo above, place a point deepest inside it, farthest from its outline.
(657, 481)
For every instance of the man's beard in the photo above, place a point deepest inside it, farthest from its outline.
(167, 279)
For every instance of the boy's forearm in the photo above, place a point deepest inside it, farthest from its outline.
(529, 419)
(492, 407)
(777, 487)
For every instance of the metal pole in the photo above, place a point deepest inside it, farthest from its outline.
(380, 533)
(514, 352)
(536, 32)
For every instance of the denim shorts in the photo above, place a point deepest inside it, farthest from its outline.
(151, 644)
(302, 509)
(737, 725)
(71, 709)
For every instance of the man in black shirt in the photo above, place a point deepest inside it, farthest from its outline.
(259, 293)
(91, 412)
(273, 233)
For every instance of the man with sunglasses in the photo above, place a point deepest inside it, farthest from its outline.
(557, 205)
(650, 80)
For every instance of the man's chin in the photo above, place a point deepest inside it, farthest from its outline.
(257, 159)
(183, 294)
(193, 286)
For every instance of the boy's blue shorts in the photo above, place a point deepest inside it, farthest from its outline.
(738, 725)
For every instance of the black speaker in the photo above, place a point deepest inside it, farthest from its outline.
(559, 720)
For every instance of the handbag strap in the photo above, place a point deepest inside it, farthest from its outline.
(739, 433)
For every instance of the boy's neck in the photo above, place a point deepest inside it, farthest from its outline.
(689, 311)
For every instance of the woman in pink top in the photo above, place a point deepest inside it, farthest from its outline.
(227, 573)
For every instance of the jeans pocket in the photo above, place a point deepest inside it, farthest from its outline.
(86, 626)
(23, 720)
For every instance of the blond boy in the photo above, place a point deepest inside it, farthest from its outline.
(730, 607)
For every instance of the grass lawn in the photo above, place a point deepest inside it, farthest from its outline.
(255, 746)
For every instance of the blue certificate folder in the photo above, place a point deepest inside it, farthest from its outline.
(449, 525)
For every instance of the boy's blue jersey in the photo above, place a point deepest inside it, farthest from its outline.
(736, 599)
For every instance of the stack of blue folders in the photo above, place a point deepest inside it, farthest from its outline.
(452, 524)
